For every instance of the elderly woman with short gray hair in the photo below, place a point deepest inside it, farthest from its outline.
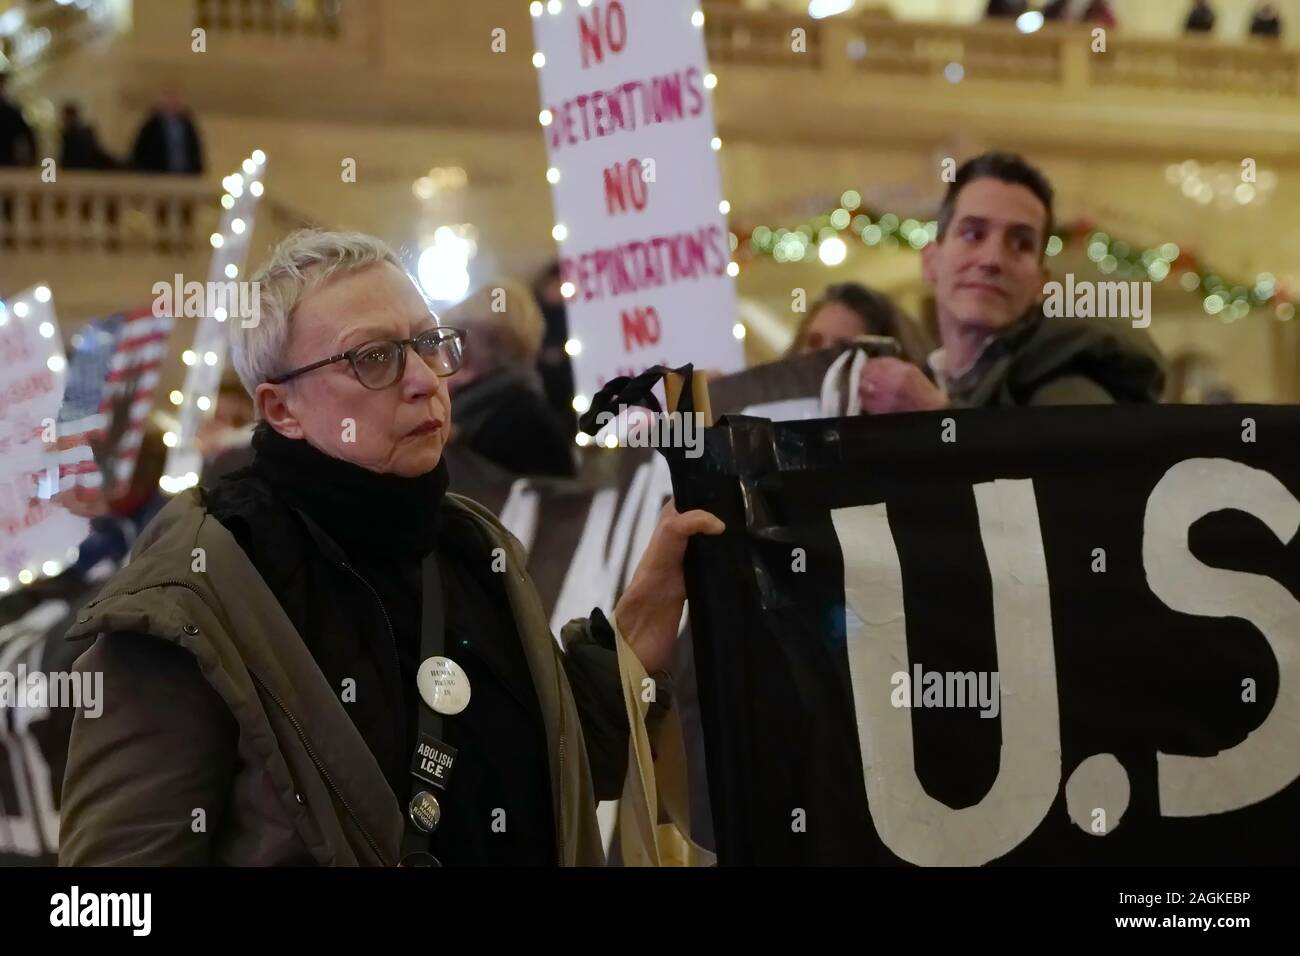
(324, 658)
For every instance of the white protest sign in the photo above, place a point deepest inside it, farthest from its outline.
(628, 117)
(36, 535)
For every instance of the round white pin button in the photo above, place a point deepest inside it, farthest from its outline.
(443, 685)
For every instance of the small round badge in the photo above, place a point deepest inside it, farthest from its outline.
(444, 685)
(425, 812)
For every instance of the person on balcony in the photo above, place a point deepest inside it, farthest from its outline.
(168, 141)
(1057, 10)
(1100, 13)
(1005, 9)
(81, 148)
(17, 143)
(1267, 22)
(1201, 18)
(988, 274)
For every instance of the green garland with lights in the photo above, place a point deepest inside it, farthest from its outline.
(1230, 300)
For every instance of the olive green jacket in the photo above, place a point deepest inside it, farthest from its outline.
(299, 784)
(1062, 361)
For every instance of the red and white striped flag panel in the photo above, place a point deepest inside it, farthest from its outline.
(114, 369)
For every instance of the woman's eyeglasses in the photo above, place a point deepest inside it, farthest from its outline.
(383, 363)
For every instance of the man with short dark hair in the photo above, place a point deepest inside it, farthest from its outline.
(988, 275)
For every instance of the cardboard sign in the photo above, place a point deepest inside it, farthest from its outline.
(628, 117)
(36, 535)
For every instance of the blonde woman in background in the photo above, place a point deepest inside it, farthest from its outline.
(501, 409)
(847, 310)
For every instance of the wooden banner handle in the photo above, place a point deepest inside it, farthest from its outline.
(699, 394)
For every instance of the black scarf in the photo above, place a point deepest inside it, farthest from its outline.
(362, 510)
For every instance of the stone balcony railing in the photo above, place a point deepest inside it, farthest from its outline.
(1201, 65)
(872, 44)
(102, 240)
(120, 214)
(117, 213)
(271, 18)
(1057, 56)
(378, 37)
(352, 33)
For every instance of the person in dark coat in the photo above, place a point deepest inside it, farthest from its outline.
(17, 146)
(1057, 10)
(17, 142)
(274, 638)
(501, 408)
(168, 140)
(1267, 22)
(81, 148)
(1200, 19)
(998, 349)
(1002, 9)
(553, 361)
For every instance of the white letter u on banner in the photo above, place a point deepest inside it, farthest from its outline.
(914, 825)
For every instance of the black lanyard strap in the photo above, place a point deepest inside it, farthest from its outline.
(433, 637)
(423, 812)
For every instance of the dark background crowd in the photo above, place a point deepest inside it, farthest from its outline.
(1265, 22)
(167, 141)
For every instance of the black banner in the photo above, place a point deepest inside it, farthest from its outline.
(1067, 635)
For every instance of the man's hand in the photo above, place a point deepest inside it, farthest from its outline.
(890, 385)
(650, 610)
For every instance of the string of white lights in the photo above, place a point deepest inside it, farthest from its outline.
(197, 398)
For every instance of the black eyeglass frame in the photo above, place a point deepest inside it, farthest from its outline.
(350, 356)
